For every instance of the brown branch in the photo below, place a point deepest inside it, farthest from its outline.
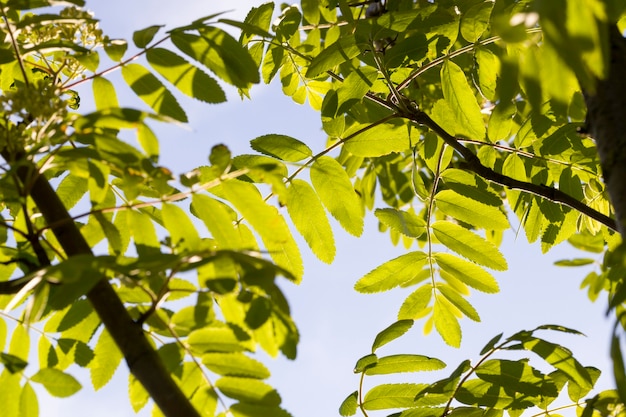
(143, 361)
(472, 163)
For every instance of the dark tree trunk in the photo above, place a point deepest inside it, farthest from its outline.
(606, 117)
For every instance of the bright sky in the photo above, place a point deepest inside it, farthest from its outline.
(338, 325)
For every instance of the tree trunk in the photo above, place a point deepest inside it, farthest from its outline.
(606, 118)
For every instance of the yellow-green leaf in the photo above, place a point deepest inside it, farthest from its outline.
(189, 79)
(182, 231)
(404, 222)
(105, 362)
(467, 272)
(414, 305)
(470, 245)
(334, 188)
(57, 383)
(235, 364)
(152, 91)
(404, 363)
(387, 396)
(446, 323)
(218, 220)
(391, 333)
(462, 102)
(471, 211)
(392, 273)
(282, 147)
(309, 217)
(378, 140)
(248, 390)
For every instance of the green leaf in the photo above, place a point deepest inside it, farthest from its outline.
(104, 94)
(388, 396)
(11, 390)
(462, 102)
(29, 406)
(282, 147)
(268, 222)
(309, 217)
(214, 339)
(12, 363)
(259, 17)
(471, 211)
(470, 245)
(392, 273)
(475, 21)
(561, 358)
(376, 140)
(152, 91)
(218, 218)
(349, 405)
(337, 53)
(189, 79)
(71, 190)
(256, 410)
(335, 190)
(467, 272)
(402, 221)
(501, 121)
(144, 36)
(404, 363)
(287, 23)
(106, 361)
(415, 304)
(235, 364)
(491, 344)
(446, 323)
(220, 53)
(458, 301)
(391, 333)
(137, 394)
(365, 362)
(182, 231)
(248, 390)
(115, 49)
(57, 383)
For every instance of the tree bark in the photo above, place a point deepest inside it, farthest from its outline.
(143, 361)
(606, 118)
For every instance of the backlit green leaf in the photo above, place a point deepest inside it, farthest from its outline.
(388, 396)
(391, 333)
(404, 222)
(29, 406)
(462, 102)
(404, 363)
(189, 79)
(104, 93)
(268, 222)
(446, 323)
(458, 301)
(182, 231)
(10, 391)
(282, 147)
(144, 36)
(334, 188)
(309, 217)
(235, 364)
(378, 140)
(221, 53)
(415, 304)
(470, 245)
(57, 383)
(471, 211)
(152, 91)
(349, 405)
(342, 50)
(467, 272)
(248, 390)
(475, 20)
(392, 273)
(214, 339)
(106, 361)
(218, 220)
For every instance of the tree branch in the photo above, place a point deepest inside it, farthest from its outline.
(472, 163)
(143, 361)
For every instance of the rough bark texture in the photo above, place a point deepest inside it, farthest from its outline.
(143, 361)
(606, 116)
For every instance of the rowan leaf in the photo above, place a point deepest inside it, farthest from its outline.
(152, 91)
(470, 245)
(235, 364)
(308, 215)
(471, 211)
(391, 333)
(105, 362)
(219, 220)
(378, 140)
(392, 273)
(282, 147)
(337, 53)
(189, 79)
(56, 382)
(336, 192)
(248, 390)
(464, 108)
(446, 322)
(386, 396)
(467, 272)
(458, 301)
(404, 363)
(416, 303)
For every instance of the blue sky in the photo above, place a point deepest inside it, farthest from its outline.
(338, 325)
